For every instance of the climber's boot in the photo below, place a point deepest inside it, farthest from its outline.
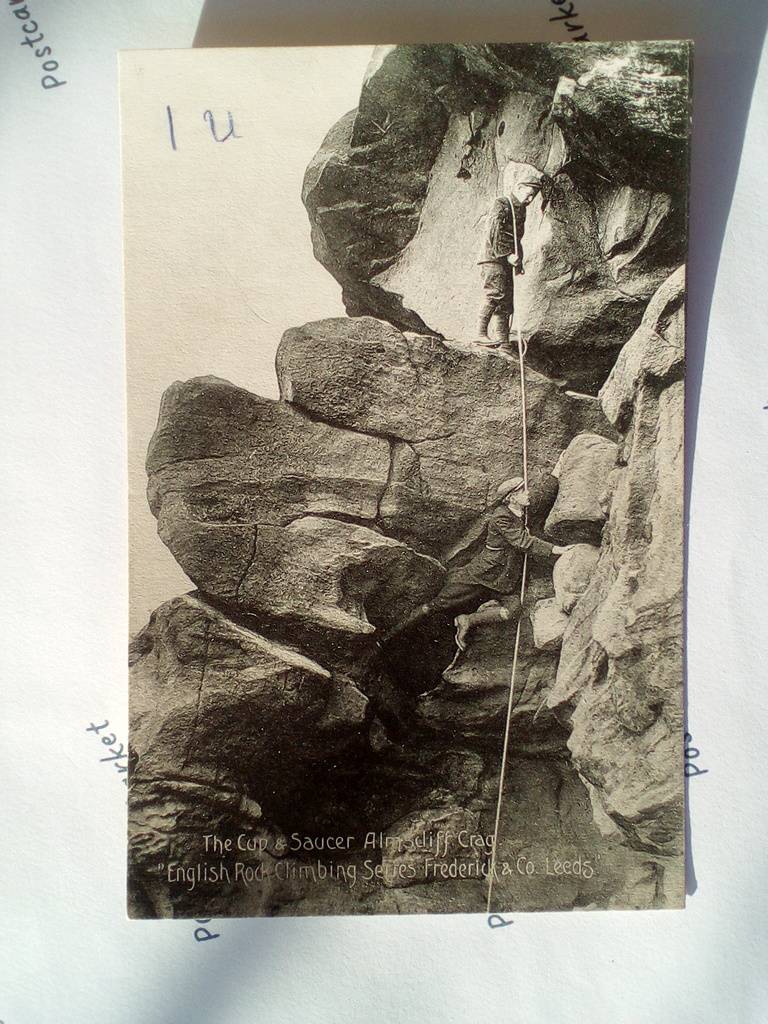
(466, 623)
(482, 338)
(502, 333)
(419, 613)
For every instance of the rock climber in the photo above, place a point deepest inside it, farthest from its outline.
(499, 259)
(494, 572)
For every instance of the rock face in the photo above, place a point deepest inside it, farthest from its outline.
(452, 414)
(272, 509)
(196, 674)
(216, 710)
(620, 669)
(271, 707)
(549, 621)
(655, 352)
(398, 191)
(472, 698)
(572, 574)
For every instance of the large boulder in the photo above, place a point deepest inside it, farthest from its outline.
(274, 514)
(582, 470)
(208, 692)
(234, 457)
(316, 573)
(336, 575)
(397, 193)
(453, 415)
(218, 712)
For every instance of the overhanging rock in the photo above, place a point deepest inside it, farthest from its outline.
(397, 193)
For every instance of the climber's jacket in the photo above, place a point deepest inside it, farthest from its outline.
(499, 235)
(499, 565)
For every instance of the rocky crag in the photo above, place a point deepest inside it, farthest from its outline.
(264, 705)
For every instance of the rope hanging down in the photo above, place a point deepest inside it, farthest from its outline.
(521, 350)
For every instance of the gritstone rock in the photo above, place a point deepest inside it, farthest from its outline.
(397, 193)
(620, 668)
(453, 415)
(239, 458)
(215, 714)
(207, 692)
(572, 573)
(656, 351)
(472, 697)
(549, 622)
(583, 469)
(272, 513)
(562, 854)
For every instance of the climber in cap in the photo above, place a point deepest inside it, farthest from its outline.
(499, 259)
(493, 572)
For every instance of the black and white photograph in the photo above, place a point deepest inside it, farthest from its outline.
(405, 361)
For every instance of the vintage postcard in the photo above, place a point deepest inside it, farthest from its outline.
(405, 353)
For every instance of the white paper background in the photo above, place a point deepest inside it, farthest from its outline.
(69, 955)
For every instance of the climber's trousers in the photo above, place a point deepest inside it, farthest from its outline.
(455, 595)
(498, 291)
(458, 595)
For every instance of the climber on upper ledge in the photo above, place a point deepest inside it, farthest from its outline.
(499, 259)
(494, 572)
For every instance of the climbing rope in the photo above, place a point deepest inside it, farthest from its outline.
(521, 350)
